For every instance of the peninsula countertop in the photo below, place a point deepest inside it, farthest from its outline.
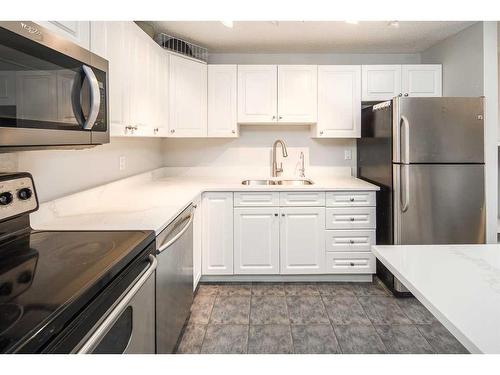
(150, 201)
(459, 284)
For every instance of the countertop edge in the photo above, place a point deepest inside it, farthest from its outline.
(441, 318)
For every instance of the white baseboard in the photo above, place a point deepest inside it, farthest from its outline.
(287, 278)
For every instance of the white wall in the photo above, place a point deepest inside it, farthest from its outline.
(470, 68)
(312, 58)
(61, 172)
(252, 151)
(462, 59)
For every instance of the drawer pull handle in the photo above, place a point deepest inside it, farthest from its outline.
(352, 219)
(352, 264)
(351, 241)
(351, 199)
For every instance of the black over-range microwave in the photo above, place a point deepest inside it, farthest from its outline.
(53, 93)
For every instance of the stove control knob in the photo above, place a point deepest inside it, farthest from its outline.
(24, 194)
(6, 198)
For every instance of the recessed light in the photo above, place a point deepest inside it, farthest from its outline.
(393, 24)
(228, 24)
(352, 22)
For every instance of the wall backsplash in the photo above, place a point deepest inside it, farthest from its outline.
(61, 172)
(253, 149)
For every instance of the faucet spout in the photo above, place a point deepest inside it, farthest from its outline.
(284, 152)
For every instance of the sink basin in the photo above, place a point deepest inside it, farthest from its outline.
(258, 182)
(294, 182)
(277, 182)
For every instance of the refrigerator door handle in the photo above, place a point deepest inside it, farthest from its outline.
(405, 182)
(405, 154)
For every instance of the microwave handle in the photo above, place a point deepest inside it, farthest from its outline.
(95, 98)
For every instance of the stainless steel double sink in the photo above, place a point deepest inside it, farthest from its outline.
(278, 182)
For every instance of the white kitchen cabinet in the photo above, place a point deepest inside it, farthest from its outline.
(422, 80)
(138, 78)
(108, 40)
(217, 233)
(297, 94)
(302, 244)
(222, 101)
(350, 240)
(256, 240)
(187, 98)
(256, 199)
(197, 242)
(76, 31)
(350, 198)
(339, 102)
(350, 263)
(381, 82)
(257, 93)
(302, 198)
(351, 218)
(7, 88)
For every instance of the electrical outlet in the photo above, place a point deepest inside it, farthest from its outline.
(123, 163)
(347, 154)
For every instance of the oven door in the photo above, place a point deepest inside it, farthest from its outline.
(52, 91)
(130, 327)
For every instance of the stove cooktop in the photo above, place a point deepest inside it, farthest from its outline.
(47, 277)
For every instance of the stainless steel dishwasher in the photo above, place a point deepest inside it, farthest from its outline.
(174, 279)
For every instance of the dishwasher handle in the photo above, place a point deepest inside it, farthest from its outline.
(122, 305)
(166, 245)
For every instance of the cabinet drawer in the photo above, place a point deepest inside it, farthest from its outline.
(349, 240)
(360, 262)
(351, 218)
(350, 198)
(259, 199)
(313, 198)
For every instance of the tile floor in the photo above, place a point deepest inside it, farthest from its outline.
(311, 318)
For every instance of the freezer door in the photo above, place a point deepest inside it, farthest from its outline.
(438, 130)
(439, 204)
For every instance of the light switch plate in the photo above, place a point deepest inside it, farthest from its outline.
(123, 163)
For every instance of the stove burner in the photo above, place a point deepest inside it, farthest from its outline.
(10, 313)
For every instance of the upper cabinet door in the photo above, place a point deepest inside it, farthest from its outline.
(76, 31)
(422, 80)
(297, 93)
(339, 101)
(381, 82)
(222, 101)
(111, 41)
(257, 93)
(187, 98)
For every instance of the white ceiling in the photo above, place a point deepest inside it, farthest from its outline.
(312, 36)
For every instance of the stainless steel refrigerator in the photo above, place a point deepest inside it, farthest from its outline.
(427, 156)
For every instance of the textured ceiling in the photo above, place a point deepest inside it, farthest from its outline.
(312, 36)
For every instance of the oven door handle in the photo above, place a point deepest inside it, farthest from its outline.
(95, 98)
(177, 236)
(99, 333)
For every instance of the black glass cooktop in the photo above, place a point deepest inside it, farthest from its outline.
(47, 275)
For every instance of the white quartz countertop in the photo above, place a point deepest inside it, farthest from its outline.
(459, 284)
(150, 201)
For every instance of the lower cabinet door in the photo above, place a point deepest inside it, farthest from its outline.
(302, 240)
(256, 240)
(217, 233)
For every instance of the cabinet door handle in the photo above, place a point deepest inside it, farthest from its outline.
(172, 131)
(274, 117)
(275, 214)
(233, 131)
(352, 219)
(283, 215)
(321, 132)
(281, 117)
(400, 94)
(406, 94)
(351, 199)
